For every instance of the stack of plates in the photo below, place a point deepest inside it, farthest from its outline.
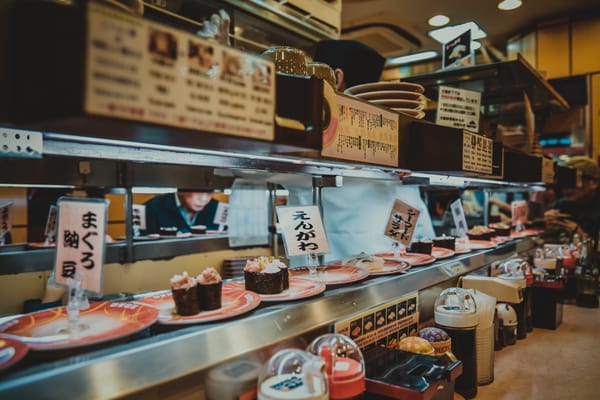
(233, 267)
(404, 97)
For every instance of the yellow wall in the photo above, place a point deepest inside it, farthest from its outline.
(553, 56)
(586, 46)
(595, 111)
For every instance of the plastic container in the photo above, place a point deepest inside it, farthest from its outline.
(344, 365)
(231, 380)
(456, 313)
(484, 336)
(507, 317)
(295, 375)
(515, 270)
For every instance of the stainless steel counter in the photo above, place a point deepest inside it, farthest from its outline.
(146, 362)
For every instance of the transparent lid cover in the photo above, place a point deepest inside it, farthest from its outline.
(293, 374)
(344, 364)
(455, 307)
(516, 268)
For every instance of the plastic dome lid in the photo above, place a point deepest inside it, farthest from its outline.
(344, 364)
(507, 314)
(455, 307)
(293, 374)
(514, 270)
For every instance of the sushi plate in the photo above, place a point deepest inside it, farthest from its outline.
(234, 301)
(300, 288)
(414, 259)
(481, 244)
(101, 322)
(332, 274)
(441, 252)
(11, 352)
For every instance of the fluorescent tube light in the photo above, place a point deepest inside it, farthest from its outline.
(447, 33)
(410, 58)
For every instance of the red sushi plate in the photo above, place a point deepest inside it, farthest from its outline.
(481, 244)
(441, 252)
(234, 302)
(102, 322)
(299, 289)
(11, 352)
(332, 274)
(414, 259)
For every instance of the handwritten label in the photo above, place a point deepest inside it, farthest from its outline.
(402, 222)
(138, 218)
(5, 220)
(477, 153)
(519, 211)
(302, 229)
(80, 241)
(458, 108)
(221, 213)
(383, 326)
(458, 215)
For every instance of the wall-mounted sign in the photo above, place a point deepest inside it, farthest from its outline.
(80, 241)
(302, 229)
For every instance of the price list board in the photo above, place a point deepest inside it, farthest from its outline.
(477, 153)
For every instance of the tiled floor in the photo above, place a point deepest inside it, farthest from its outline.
(551, 364)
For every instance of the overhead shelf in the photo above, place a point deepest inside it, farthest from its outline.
(499, 83)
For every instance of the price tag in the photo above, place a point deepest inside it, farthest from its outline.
(138, 218)
(80, 241)
(302, 229)
(50, 231)
(5, 220)
(454, 268)
(458, 108)
(402, 222)
(221, 214)
(458, 215)
(519, 211)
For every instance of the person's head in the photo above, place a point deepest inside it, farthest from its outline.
(194, 201)
(354, 62)
(591, 179)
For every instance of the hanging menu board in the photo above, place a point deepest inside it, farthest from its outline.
(383, 326)
(144, 71)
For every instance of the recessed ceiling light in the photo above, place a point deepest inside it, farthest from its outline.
(410, 58)
(447, 33)
(438, 20)
(507, 5)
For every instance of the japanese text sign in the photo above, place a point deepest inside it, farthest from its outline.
(221, 213)
(138, 217)
(50, 231)
(302, 229)
(458, 215)
(5, 218)
(80, 241)
(458, 108)
(519, 211)
(402, 222)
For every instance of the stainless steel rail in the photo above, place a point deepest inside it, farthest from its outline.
(116, 371)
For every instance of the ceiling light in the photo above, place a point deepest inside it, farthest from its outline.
(447, 33)
(438, 20)
(507, 5)
(410, 58)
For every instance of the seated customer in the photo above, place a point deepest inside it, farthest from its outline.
(181, 210)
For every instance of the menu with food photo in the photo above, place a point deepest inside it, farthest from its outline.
(382, 325)
(141, 70)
